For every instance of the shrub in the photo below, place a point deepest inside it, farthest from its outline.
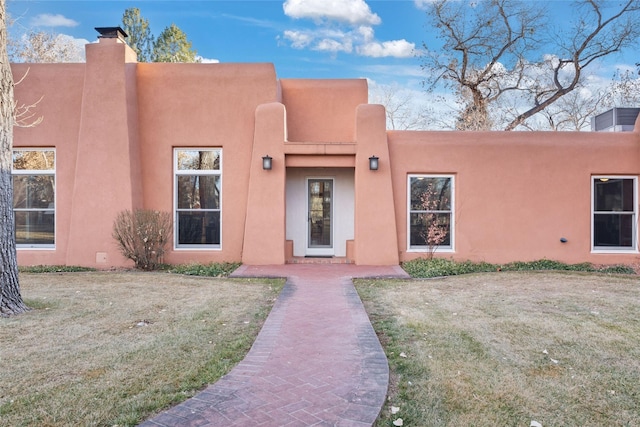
(53, 269)
(142, 236)
(437, 267)
(617, 269)
(212, 270)
(547, 264)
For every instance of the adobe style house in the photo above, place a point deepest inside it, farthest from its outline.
(261, 170)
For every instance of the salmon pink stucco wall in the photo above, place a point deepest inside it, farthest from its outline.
(107, 169)
(202, 105)
(115, 125)
(264, 229)
(516, 193)
(322, 110)
(60, 113)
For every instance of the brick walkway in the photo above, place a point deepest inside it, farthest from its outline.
(316, 362)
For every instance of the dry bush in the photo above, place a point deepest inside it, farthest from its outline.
(142, 236)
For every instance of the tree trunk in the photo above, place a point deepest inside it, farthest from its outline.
(10, 298)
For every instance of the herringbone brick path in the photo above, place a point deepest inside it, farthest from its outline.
(316, 362)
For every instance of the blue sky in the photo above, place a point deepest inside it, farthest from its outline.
(374, 39)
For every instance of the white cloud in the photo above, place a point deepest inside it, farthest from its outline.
(354, 21)
(391, 72)
(329, 45)
(366, 33)
(49, 20)
(360, 40)
(334, 41)
(299, 39)
(393, 48)
(352, 12)
(423, 4)
(324, 39)
(207, 60)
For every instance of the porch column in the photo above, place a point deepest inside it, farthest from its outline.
(376, 240)
(264, 231)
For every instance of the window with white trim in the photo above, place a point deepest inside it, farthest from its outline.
(34, 196)
(614, 213)
(197, 187)
(430, 212)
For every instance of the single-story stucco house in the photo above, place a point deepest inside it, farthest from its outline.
(265, 170)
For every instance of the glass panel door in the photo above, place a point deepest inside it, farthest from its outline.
(320, 194)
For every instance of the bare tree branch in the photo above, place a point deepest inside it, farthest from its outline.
(45, 47)
(403, 113)
(23, 114)
(595, 37)
(491, 52)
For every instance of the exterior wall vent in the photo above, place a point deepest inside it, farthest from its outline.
(615, 120)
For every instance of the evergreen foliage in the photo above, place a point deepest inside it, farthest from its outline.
(172, 45)
(140, 38)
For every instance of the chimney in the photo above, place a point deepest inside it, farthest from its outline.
(112, 33)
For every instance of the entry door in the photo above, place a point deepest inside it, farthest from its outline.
(320, 216)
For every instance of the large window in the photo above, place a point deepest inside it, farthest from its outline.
(614, 216)
(197, 197)
(430, 222)
(34, 198)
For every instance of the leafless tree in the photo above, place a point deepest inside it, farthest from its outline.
(45, 47)
(624, 91)
(403, 113)
(24, 114)
(573, 112)
(10, 298)
(490, 51)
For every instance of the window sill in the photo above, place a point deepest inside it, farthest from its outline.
(615, 251)
(197, 248)
(35, 248)
(436, 251)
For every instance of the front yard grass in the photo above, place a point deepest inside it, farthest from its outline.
(113, 348)
(509, 348)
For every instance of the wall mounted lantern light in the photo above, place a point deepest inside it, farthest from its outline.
(373, 163)
(266, 162)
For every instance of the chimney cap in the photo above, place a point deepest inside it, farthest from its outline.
(111, 33)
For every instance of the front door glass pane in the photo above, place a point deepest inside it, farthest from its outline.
(320, 200)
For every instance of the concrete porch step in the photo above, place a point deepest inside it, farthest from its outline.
(319, 260)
